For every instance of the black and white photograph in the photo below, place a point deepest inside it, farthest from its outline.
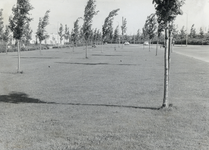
(104, 74)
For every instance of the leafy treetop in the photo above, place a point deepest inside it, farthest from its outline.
(107, 27)
(88, 16)
(20, 17)
(167, 10)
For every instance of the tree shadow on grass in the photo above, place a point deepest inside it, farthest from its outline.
(110, 105)
(75, 63)
(19, 97)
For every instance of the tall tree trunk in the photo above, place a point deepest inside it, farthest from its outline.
(18, 51)
(166, 71)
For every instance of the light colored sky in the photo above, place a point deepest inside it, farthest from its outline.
(135, 12)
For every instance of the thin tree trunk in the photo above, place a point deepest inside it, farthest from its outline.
(166, 74)
(157, 47)
(73, 46)
(102, 47)
(40, 47)
(86, 56)
(18, 50)
(6, 47)
(169, 53)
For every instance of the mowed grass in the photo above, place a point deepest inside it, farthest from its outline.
(109, 101)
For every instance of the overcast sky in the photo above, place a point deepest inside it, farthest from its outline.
(135, 12)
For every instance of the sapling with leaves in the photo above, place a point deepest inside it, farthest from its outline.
(123, 29)
(107, 28)
(166, 11)
(60, 33)
(76, 33)
(6, 36)
(89, 13)
(41, 31)
(150, 27)
(17, 21)
(1, 24)
(192, 32)
(67, 33)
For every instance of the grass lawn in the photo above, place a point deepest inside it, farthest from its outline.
(63, 101)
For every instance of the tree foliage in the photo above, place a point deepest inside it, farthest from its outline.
(138, 35)
(89, 13)
(182, 33)
(75, 33)
(27, 33)
(1, 24)
(6, 34)
(123, 26)
(107, 28)
(201, 34)
(116, 34)
(41, 31)
(167, 10)
(67, 33)
(192, 32)
(60, 33)
(20, 17)
(150, 26)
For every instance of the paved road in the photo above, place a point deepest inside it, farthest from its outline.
(196, 52)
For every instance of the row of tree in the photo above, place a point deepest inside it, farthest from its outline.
(19, 27)
(152, 31)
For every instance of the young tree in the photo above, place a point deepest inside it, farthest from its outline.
(1, 24)
(166, 11)
(89, 13)
(17, 22)
(41, 31)
(201, 34)
(76, 32)
(138, 36)
(150, 27)
(60, 33)
(107, 28)
(67, 33)
(6, 36)
(123, 29)
(182, 34)
(192, 32)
